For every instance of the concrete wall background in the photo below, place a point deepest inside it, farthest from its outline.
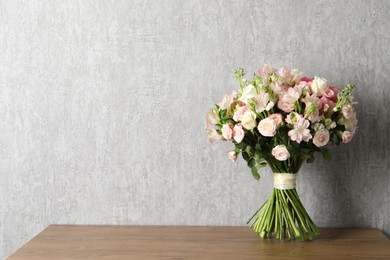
(102, 106)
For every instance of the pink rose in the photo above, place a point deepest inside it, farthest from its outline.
(267, 127)
(238, 114)
(327, 105)
(238, 133)
(278, 118)
(280, 152)
(328, 93)
(227, 132)
(348, 112)
(321, 138)
(347, 136)
(232, 156)
(335, 93)
(306, 79)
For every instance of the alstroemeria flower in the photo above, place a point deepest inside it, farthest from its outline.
(300, 132)
(262, 102)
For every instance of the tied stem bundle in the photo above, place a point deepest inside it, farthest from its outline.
(283, 214)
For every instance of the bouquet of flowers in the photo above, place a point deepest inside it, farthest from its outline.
(280, 119)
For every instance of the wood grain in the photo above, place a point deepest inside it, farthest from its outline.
(172, 242)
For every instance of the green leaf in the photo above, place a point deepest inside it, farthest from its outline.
(258, 147)
(326, 154)
(245, 155)
(251, 162)
(261, 165)
(255, 173)
(241, 145)
(258, 156)
(310, 159)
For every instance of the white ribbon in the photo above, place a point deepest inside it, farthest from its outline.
(285, 181)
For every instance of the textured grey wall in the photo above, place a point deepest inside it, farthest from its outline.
(102, 106)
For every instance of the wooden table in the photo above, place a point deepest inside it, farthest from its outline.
(169, 242)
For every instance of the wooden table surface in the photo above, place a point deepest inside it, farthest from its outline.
(171, 242)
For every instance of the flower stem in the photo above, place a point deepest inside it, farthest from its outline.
(284, 217)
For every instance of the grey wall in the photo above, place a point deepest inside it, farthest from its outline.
(102, 106)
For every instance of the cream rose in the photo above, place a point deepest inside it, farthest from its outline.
(248, 93)
(319, 85)
(280, 152)
(267, 127)
(321, 138)
(248, 120)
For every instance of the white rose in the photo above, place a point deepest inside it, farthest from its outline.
(280, 152)
(267, 127)
(248, 93)
(248, 120)
(319, 85)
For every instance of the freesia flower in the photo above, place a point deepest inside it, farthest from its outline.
(238, 133)
(227, 132)
(321, 138)
(267, 127)
(280, 152)
(232, 156)
(300, 132)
